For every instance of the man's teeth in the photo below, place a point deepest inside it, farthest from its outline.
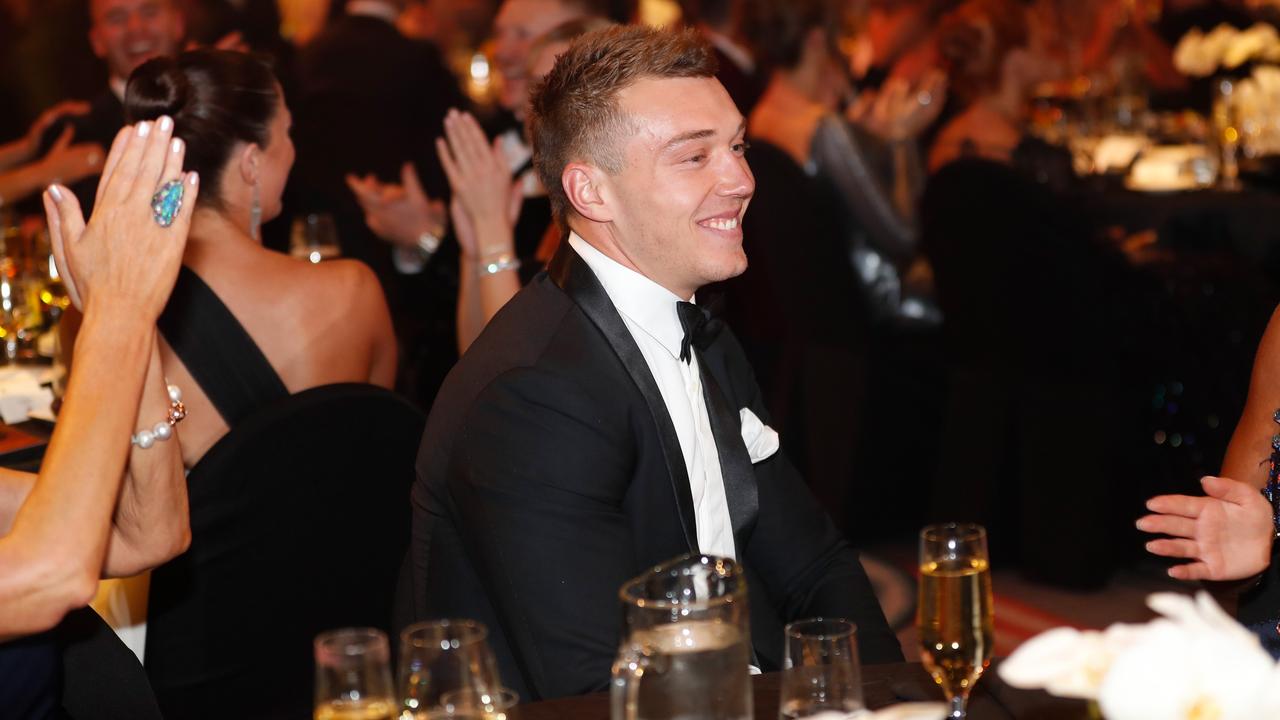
(717, 224)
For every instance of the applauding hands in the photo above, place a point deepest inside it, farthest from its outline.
(901, 111)
(131, 249)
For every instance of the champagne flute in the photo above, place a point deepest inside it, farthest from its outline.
(820, 670)
(445, 658)
(353, 676)
(954, 614)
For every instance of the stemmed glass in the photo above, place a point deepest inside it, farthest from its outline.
(448, 670)
(820, 670)
(954, 614)
(353, 676)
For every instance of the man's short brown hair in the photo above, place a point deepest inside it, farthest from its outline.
(574, 112)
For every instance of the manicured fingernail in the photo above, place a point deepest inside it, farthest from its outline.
(176, 146)
(55, 193)
(144, 129)
(193, 178)
(166, 123)
(1148, 545)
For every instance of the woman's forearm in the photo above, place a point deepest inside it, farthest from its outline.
(482, 294)
(51, 559)
(152, 522)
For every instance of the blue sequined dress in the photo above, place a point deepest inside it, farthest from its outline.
(1259, 607)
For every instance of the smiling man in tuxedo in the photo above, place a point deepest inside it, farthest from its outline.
(603, 422)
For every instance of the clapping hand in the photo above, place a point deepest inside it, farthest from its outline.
(900, 111)
(1226, 535)
(483, 190)
(398, 213)
(35, 134)
(68, 163)
(125, 257)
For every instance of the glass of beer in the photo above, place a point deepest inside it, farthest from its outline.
(353, 676)
(954, 614)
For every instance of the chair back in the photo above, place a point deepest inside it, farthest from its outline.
(299, 519)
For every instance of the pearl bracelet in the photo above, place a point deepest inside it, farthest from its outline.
(163, 430)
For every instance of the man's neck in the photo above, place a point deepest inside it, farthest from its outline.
(375, 9)
(601, 238)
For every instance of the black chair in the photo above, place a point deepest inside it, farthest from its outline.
(101, 677)
(299, 518)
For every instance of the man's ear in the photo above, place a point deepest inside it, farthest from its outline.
(586, 187)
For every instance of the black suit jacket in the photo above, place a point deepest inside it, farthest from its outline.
(550, 474)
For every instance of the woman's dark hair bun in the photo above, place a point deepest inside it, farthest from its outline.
(217, 99)
(158, 87)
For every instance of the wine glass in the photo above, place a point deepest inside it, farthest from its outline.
(441, 658)
(954, 614)
(353, 676)
(820, 669)
(314, 238)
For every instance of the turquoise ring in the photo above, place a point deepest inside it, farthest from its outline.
(166, 203)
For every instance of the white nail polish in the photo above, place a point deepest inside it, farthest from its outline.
(194, 179)
(176, 145)
(144, 129)
(55, 193)
(166, 123)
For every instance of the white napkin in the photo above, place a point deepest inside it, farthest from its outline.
(760, 439)
(22, 393)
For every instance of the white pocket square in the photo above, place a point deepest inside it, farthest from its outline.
(760, 439)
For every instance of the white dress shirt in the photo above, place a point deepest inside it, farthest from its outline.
(649, 311)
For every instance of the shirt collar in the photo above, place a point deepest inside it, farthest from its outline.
(374, 9)
(644, 302)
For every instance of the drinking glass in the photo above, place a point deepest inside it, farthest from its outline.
(475, 705)
(20, 312)
(820, 669)
(954, 614)
(353, 676)
(314, 237)
(446, 658)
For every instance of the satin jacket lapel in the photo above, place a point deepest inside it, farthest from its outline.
(740, 489)
(572, 275)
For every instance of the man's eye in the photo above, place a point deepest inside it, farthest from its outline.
(695, 159)
(742, 147)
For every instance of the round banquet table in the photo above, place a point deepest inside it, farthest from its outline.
(883, 685)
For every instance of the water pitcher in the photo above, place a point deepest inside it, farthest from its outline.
(687, 643)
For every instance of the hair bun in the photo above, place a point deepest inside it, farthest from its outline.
(158, 87)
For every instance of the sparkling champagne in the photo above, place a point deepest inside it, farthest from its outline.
(372, 709)
(956, 622)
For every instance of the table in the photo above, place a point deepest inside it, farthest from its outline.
(883, 685)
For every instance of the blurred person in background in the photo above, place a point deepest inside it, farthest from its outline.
(123, 34)
(370, 100)
(24, 171)
(501, 216)
(851, 169)
(102, 505)
(723, 24)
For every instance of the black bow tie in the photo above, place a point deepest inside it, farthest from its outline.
(700, 328)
